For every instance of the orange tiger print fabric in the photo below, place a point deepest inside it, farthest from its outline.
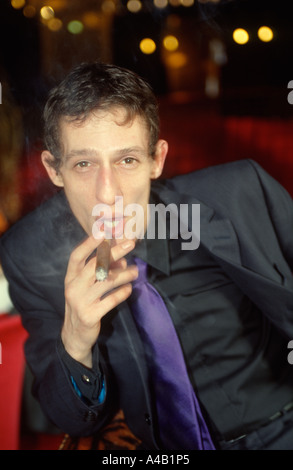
(115, 436)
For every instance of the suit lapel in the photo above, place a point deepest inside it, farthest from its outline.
(216, 233)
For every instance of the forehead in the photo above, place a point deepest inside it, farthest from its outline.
(102, 120)
(104, 134)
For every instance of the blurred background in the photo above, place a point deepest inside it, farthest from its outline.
(221, 70)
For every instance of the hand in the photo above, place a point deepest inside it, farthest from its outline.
(85, 299)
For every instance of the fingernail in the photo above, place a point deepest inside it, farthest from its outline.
(127, 244)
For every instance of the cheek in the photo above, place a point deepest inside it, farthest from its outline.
(140, 195)
(77, 191)
(80, 202)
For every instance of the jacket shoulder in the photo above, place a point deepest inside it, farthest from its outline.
(223, 175)
(41, 234)
(242, 179)
(230, 187)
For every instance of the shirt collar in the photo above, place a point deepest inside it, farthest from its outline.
(154, 252)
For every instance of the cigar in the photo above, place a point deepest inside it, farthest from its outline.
(103, 260)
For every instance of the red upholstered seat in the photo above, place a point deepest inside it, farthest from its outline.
(12, 363)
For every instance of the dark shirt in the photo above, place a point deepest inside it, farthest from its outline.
(236, 361)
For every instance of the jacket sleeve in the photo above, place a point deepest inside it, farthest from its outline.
(74, 413)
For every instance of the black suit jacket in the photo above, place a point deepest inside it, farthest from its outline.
(246, 223)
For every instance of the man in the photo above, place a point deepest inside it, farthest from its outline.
(230, 300)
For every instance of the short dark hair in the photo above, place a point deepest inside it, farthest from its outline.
(95, 86)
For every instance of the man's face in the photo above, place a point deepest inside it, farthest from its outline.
(105, 158)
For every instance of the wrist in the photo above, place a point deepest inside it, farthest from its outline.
(81, 354)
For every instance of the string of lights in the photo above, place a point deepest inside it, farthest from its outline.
(51, 17)
(48, 15)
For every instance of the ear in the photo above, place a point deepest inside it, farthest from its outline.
(159, 158)
(54, 176)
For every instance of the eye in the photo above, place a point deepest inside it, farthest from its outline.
(82, 165)
(128, 161)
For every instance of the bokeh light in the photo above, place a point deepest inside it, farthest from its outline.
(187, 3)
(176, 60)
(55, 24)
(170, 43)
(91, 19)
(47, 12)
(240, 36)
(134, 6)
(75, 27)
(147, 46)
(17, 4)
(265, 34)
(108, 7)
(29, 11)
(161, 3)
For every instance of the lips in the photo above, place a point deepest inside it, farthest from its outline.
(113, 228)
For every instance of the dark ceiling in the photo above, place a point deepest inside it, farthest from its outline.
(257, 68)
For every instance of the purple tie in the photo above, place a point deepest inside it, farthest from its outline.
(181, 423)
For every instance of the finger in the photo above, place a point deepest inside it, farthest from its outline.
(79, 256)
(116, 279)
(108, 254)
(119, 274)
(120, 264)
(88, 273)
(114, 298)
(119, 251)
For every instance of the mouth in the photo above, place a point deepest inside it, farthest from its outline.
(113, 228)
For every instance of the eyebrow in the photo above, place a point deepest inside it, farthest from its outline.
(89, 152)
(81, 153)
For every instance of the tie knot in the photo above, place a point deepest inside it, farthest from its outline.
(142, 270)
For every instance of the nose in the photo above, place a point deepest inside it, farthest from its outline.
(107, 186)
